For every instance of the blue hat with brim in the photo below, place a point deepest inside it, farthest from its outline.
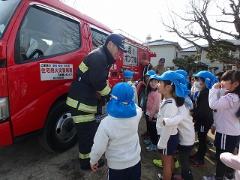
(150, 73)
(155, 76)
(128, 74)
(177, 79)
(122, 103)
(185, 74)
(209, 78)
(182, 72)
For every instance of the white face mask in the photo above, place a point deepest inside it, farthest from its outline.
(223, 91)
(197, 85)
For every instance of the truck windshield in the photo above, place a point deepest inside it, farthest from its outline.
(7, 8)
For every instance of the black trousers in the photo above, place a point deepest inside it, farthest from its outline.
(152, 131)
(224, 143)
(86, 132)
(131, 173)
(184, 154)
(147, 124)
(202, 147)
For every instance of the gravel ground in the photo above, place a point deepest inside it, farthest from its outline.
(27, 160)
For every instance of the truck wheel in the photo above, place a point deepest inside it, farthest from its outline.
(59, 133)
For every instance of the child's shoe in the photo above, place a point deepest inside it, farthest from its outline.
(159, 176)
(177, 164)
(151, 147)
(208, 178)
(158, 163)
(147, 141)
(198, 163)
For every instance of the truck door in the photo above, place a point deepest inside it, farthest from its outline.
(43, 48)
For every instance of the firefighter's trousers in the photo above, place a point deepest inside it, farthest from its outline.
(86, 132)
(86, 127)
(84, 118)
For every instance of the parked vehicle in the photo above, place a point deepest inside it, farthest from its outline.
(42, 42)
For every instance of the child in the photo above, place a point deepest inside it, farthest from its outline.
(128, 77)
(141, 88)
(173, 92)
(202, 114)
(186, 138)
(226, 119)
(152, 108)
(142, 94)
(117, 136)
(186, 132)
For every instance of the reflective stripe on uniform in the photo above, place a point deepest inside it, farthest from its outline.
(105, 91)
(87, 108)
(84, 156)
(71, 102)
(83, 67)
(83, 118)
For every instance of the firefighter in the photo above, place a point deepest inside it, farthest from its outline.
(85, 92)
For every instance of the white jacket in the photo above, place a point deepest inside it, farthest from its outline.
(168, 109)
(226, 107)
(118, 138)
(185, 126)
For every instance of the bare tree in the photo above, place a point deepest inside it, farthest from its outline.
(198, 27)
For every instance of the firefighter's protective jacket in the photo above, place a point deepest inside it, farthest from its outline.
(92, 76)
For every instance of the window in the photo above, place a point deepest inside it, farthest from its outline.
(98, 38)
(7, 9)
(44, 33)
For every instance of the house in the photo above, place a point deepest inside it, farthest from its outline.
(214, 67)
(164, 49)
(217, 66)
(189, 51)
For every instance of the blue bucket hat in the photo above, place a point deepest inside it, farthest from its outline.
(177, 79)
(185, 74)
(128, 74)
(155, 76)
(209, 78)
(182, 72)
(122, 103)
(150, 73)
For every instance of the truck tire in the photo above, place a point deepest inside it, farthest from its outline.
(59, 133)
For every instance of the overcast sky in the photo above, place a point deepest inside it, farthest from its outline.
(141, 18)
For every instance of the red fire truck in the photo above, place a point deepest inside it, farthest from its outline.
(42, 42)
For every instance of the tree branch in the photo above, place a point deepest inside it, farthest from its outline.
(173, 29)
(223, 21)
(224, 32)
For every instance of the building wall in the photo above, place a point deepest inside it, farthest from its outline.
(210, 64)
(167, 51)
(183, 54)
